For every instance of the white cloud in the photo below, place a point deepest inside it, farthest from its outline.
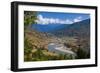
(69, 21)
(42, 20)
(78, 19)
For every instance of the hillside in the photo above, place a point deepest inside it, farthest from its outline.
(49, 27)
(36, 46)
(81, 29)
(74, 36)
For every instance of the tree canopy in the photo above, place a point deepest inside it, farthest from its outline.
(29, 17)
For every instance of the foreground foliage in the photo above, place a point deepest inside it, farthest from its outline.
(34, 40)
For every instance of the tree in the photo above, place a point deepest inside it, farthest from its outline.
(29, 18)
(81, 54)
(27, 50)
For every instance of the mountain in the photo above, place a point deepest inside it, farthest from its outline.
(75, 36)
(81, 28)
(49, 27)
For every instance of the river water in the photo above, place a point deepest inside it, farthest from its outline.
(60, 48)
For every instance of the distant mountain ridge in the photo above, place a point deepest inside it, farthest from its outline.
(48, 27)
(81, 28)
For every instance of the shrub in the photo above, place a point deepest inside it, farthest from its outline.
(82, 54)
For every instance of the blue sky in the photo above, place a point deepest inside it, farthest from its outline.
(45, 18)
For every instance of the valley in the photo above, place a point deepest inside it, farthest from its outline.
(47, 42)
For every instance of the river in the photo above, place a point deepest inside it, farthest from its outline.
(60, 48)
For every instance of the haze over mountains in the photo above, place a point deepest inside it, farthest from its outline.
(81, 28)
(75, 37)
(49, 27)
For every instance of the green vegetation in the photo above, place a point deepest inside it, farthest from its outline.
(81, 54)
(29, 17)
(27, 50)
(34, 52)
(44, 55)
(35, 45)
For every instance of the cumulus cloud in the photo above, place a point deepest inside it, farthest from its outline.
(69, 21)
(78, 19)
(44, 20)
